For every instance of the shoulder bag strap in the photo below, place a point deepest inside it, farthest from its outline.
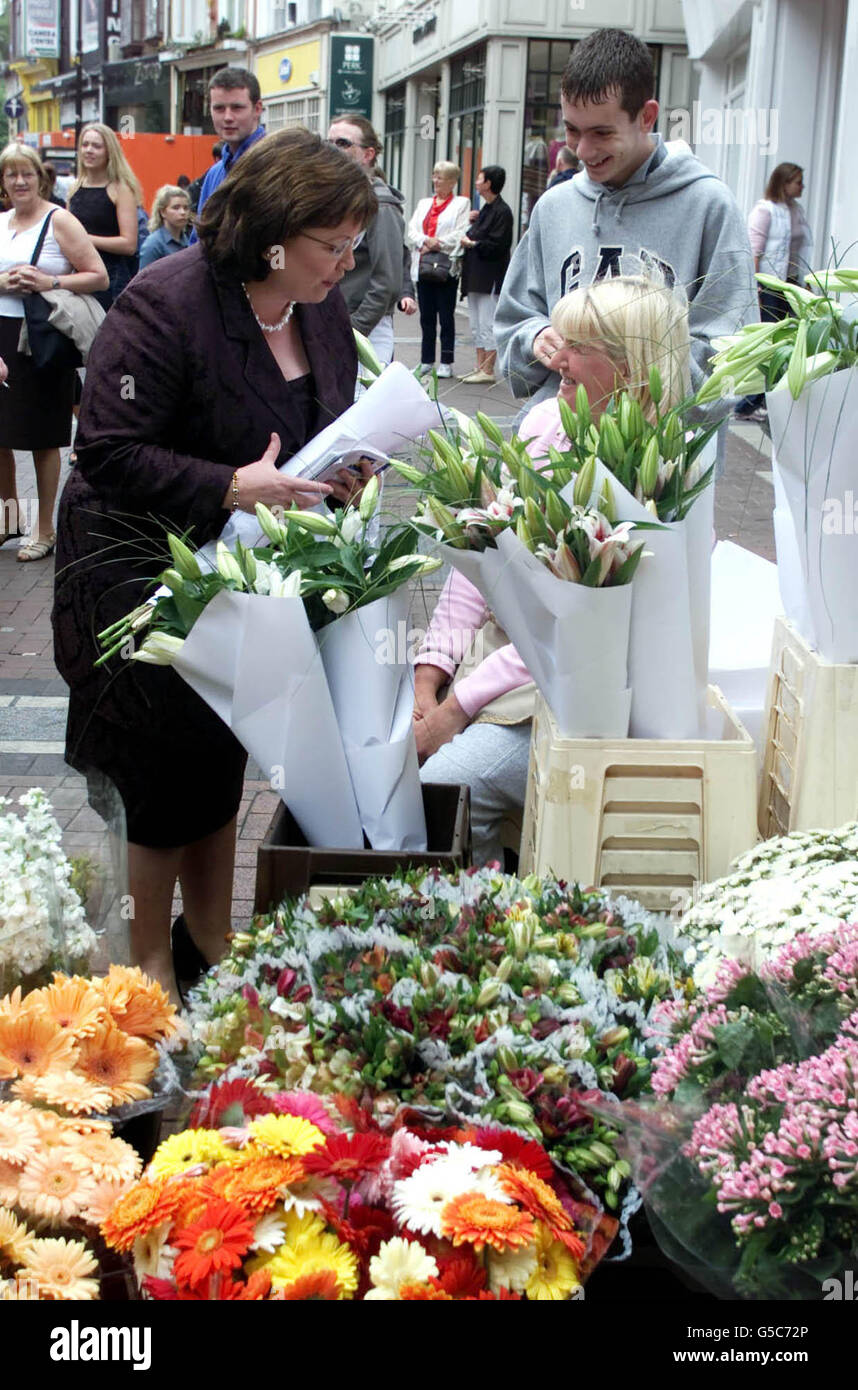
(34, 259)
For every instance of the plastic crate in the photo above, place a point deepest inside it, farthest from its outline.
(810, 760)
(649, 818)
(287, 866)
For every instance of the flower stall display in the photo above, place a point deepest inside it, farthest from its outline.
(806, 364)
(490, 495)
(798, 883)
(277, 639)
(270, 1196)
(476, 998)
(86, 1046)
(59, 1177)
(43, 925)
(748, 1161)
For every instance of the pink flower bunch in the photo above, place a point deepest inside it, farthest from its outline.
(691, 1051)
(795, 1131)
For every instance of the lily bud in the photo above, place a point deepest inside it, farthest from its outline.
(415, 564)
(521, 530)
(568, 419)
(489, 993)
(607, 505)
(405, 470)
(611, 448)
(556, 511)
(518, 1112)
(584, 483)
(369, 499)
(511, 459)
(446, 522)
(582, 409)
(227, 565)
(159, 649)
(535, 521)
(614, 1036)
(797, 370)
(476, 439)
(504, 970)
(270, 525)
(648, 471)
(442, 447)
(507, 1058)
(490, 429)
(184, 558)
(655, 387)
(366, 354)
(337, 600)
(174, 581)
(311, 521)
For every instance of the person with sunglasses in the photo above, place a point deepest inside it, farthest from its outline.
(374, 288)
(212, 369)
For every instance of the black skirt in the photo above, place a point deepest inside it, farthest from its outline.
(36, 410)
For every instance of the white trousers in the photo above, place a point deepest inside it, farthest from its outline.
(481, 312)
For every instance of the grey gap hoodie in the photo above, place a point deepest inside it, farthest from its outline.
(372, 289)
(672, 211)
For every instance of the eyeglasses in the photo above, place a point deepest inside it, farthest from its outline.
(350, 244)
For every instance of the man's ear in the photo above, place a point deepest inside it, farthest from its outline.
(648, 115)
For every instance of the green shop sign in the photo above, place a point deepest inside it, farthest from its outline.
(351, 75)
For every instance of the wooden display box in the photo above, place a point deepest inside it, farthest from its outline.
(286, 866)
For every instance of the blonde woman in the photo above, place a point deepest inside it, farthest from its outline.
(479, 733)
(105, 197)
(36, 410)
(168, 225)
(438, 225)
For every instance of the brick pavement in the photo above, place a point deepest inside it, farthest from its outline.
(32, 694)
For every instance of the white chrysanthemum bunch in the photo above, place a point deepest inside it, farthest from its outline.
(39, 909)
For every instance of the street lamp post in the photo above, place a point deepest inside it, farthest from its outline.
(78, 95)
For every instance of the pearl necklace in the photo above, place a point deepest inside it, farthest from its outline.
(270, 327)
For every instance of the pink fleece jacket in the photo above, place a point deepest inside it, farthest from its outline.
(461, 609)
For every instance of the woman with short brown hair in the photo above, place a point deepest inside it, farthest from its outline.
(212, 368)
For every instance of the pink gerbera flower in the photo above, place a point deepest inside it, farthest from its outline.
(306, 1106)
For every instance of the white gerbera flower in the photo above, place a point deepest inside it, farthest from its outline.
(152, 1255)
(511, 1269)
(269, 1232)
(419, 1200)
(399, 1262)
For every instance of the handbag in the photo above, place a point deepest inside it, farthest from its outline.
(50, 349)
(436, 268)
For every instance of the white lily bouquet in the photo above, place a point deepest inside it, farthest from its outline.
(282, 641)
(656, 478)
(556, 574)
(43, 925)
(806, 365)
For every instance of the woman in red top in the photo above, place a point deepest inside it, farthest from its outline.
(438, 224)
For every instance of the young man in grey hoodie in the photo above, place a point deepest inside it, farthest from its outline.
(634, 197)
(377, 283)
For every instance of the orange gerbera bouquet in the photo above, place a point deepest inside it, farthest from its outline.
(59, 1177)
(285, 1204)
(85, 1046)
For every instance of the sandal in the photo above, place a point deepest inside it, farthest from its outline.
(36, 549)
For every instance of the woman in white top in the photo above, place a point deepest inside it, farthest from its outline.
(438, 224)
(36, 410)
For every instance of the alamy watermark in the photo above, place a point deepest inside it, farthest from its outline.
(735, 125)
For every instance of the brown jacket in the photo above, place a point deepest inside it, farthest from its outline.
(181, 390)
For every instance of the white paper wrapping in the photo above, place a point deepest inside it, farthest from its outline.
(391, 414)
(573, 640)
(374, 704)
(745, 604)
(813, 461)
(255, 661)
(669, 638)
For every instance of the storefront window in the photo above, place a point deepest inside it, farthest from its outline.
(467, 102)
(543, 119)
(394, 135)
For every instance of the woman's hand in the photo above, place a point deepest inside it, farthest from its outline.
(431, 243)
(347, 484)
(28, 279)
(438, 726)
(407, 305)
(4, 371)
(545, 345)
(261, 482)
(466, 241)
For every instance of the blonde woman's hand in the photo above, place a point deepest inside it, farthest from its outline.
(261, 482)
(545, 345)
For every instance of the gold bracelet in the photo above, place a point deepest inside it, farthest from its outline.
(235, 492)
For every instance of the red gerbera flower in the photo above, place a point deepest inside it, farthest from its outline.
(460, 1277)
(520, 1152)
(214, 1243)
(355, 1115)
(348, 1157)
(502, 1296)
(321, 1287)
(364, 1229)
(229, 1103)
(160, 1289)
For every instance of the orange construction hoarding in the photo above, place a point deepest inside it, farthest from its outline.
(155, 159)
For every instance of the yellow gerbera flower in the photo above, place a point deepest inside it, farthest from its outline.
(61, 1269)
(286, 1134)
(556, 1273)
(188, 1150)
(309, 1249)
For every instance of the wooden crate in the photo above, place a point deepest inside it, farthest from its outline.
(810, 758)
(646, 817)
(287, 866)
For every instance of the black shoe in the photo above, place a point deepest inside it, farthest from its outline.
(189, 963)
